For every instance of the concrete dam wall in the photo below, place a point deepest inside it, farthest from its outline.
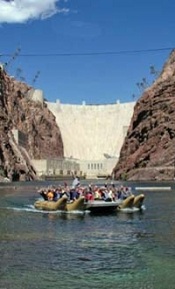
(93, 134)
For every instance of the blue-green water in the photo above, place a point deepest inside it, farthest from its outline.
(53, 250)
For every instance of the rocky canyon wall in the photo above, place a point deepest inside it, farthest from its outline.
(32, 118)
(148, 152)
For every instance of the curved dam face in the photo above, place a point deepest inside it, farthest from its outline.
(93, 134)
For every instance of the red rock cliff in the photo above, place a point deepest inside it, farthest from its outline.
(148, 152)
(19, 111)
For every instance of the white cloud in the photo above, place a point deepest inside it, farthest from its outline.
(20, 11)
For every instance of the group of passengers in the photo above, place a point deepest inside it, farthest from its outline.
(107, 192)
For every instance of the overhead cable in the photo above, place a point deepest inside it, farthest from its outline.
(89, 53)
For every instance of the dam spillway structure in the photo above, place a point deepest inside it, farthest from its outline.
(93, 134)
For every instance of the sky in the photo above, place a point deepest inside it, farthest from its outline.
(93, 51)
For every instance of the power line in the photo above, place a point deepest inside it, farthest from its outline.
(91, 53)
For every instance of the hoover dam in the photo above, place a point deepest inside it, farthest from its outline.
(93, 134)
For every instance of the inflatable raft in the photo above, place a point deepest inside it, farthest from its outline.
(132, 202)
(138, 201)
(127, 203)
(61, 204)
(94, 206)
(77, 205)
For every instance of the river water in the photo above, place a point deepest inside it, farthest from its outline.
(53, 250)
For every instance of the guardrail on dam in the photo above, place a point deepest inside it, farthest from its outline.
(93, 134)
